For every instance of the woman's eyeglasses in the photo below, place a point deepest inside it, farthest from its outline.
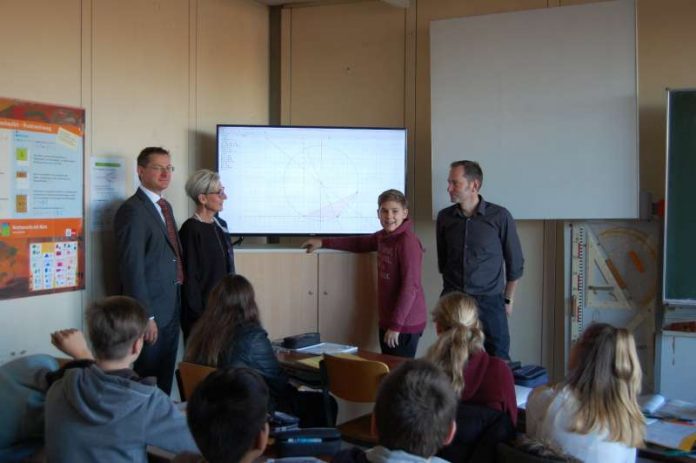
(220, 192)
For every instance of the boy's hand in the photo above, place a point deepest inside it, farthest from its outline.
(312, 244)
(151, 332)
(72, 342)
(391, 338)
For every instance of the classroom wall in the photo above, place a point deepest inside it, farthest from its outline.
(148, 73)
(165, 73)
(367, 64)
(356, 58)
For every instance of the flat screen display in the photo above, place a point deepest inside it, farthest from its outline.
(307, 180)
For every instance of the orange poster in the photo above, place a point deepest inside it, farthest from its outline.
(41, 198)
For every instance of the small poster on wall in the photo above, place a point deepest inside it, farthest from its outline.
(41, 198)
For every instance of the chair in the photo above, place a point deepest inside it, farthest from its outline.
(189, 376)
(355, 380)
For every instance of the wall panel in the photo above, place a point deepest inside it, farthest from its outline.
(232, 69)
(346, 65)
(39, 63)
(133, 66)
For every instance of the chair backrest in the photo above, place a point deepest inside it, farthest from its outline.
(192, 375)
(354, 379)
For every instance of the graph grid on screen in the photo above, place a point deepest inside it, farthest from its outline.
(307, 180)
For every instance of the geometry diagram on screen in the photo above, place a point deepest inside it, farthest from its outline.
(320, 182)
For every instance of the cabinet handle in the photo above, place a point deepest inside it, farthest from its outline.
(311, 293)
(326, 293)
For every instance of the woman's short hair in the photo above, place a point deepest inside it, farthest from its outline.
(201, 182)
(605, 377)
(460, 335)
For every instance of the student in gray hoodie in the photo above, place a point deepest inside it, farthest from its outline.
(98, 409)
(414, 416)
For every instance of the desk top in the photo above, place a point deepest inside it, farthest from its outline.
(290, 359)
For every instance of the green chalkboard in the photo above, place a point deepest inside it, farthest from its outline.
(679, 285)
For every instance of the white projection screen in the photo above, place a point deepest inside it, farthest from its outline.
(545, 100)
(307, 180)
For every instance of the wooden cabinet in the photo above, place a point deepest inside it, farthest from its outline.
(348, 299)
(286, 289)
(332, 292)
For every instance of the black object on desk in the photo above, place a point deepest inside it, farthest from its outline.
(299, 341)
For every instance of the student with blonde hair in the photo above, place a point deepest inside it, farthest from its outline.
(594, 414)
(477, 377)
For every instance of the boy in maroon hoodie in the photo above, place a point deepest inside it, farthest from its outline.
(402, 310)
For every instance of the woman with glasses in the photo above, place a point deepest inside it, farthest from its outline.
(206, 243)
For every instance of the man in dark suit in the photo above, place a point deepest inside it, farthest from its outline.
(150, 266)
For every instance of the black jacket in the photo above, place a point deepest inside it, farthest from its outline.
(250, 347)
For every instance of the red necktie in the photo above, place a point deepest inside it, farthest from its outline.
(171, 234)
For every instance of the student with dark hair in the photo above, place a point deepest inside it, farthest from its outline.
(229, 334)
(402, 309)
(414, 416)
(594, 414)
(97, 408)
(227, 415)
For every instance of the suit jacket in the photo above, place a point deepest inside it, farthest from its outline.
(146, 259)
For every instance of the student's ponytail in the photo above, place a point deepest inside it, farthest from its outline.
(459, 336)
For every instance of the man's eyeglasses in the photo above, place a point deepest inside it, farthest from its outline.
(161, 169)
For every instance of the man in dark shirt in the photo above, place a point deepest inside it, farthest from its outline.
(479, 253)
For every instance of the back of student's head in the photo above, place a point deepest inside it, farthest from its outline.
(231, 303)
(460, 334)
(114, 324)
(415, 408)
(226, 413)
(605, 377)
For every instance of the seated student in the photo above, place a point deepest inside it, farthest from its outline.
(229, 334)
(593, 415)
(477, 377)
(413, 417)
(227, 415)
(100, 410)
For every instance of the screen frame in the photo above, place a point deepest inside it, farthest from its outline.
(327, 127)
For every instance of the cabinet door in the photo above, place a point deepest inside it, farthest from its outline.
(285, 284)
(348, 299)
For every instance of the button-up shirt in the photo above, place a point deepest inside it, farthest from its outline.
(478, 254)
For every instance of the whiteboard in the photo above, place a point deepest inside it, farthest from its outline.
(545, 101)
